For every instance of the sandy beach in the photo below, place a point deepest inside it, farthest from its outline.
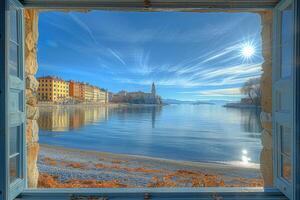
(64, 167)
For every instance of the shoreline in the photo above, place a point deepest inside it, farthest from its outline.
(90, 104)
(221, 165)
(65, 167)
(242, 106)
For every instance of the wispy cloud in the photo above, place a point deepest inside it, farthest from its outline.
(51, 69)
(218, 57)
(112, 27)
(52, 43)
(84, 26)
(187, 82)
(217, 92)
(186, 55)
(231, 71)
(116, 55)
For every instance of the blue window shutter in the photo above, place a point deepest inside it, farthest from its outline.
(284, 97)
(3, 186)
(12, 110)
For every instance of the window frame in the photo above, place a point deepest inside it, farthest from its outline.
(146, 193)
(132, 5)
(213, 193)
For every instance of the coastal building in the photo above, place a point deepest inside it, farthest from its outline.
(88, 93)
(137, 97)
(95, 94)
(100, 95)
(109, 96)
(52, 89)
(153, 90)
(76, 90)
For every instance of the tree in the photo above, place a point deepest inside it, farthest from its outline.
(253, 90)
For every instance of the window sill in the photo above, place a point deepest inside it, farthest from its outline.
(154, 193)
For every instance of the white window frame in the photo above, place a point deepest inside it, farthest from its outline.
(149, 193)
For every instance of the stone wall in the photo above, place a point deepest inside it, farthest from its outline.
(266, 161)
(31, 34)
(32, 129)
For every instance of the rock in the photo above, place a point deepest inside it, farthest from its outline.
(28, 93)
(267, 126)
(31, 101)
(31, 63)
(266, 167)
(266, 90)
(32, 112)
(28, 131)
(266, 140)
(32, 131)
(266, 121)
(32, 83)
(30, 41)
(265, 117)
(32, 169)
(266, 157)
(31, 22)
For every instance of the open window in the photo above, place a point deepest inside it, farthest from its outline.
(13, 146)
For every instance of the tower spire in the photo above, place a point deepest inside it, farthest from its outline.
(153, 90)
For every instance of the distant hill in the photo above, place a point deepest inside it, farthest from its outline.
(203, 102)
(219, 102)
(175, 101)
(242, 105)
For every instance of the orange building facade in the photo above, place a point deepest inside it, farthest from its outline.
(54, 89)
(76, 90)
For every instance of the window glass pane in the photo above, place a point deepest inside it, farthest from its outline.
(285, 133)
(286, 167)
(283, 102)
(13, 168)
(14, 138)
(287, 41)
(16, 104)
(13, 25)
(13, 59)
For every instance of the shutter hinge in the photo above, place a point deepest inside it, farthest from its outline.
(147, 3)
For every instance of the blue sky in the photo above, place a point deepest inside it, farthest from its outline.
(189, 56)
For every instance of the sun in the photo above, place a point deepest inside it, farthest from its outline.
(247, 50)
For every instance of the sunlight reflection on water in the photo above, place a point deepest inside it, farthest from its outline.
(208, 133)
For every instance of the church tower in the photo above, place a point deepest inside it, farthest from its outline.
(153, 90)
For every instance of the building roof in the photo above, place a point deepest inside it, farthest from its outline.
(71, 81)
(52, 78)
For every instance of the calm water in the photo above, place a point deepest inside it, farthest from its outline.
(183, 132)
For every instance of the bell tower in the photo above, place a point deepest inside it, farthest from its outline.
(153, 90)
